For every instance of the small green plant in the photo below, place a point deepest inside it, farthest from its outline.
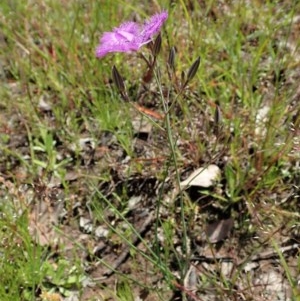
(21, 261)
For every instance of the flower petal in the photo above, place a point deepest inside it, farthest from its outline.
(130, 36)
(117, 46)
(153, 25)
(130, 28)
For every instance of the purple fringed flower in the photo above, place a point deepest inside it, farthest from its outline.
(130, 36)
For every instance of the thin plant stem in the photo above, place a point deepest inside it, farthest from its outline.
(174, 159)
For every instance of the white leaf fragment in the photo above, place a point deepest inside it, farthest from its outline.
(261, 119)
(101, 232)
(202, 177)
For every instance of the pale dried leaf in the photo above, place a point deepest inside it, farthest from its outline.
(219, 230)
(42, 221)
(43, 105)
(261, 119)
(101, 232)
(203, 177)
(191, 279)
(141, 125)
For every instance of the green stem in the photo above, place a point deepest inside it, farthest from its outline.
(174, 159)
